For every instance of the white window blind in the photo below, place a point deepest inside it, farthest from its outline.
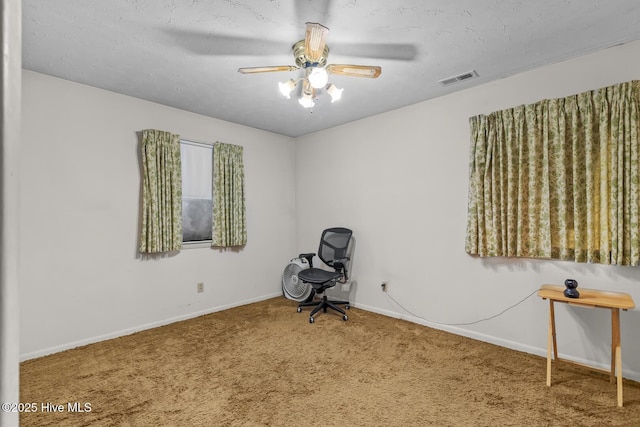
(197, 199)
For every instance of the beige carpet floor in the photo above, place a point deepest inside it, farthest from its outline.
(265, 365)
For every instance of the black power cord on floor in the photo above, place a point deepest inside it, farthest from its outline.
(466, 323)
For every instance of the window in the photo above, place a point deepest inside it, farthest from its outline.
(197, 200)
(170, 220)
(558, 179)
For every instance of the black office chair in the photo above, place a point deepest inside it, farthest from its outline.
(334, 245)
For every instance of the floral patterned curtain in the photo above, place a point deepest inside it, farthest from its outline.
(558, 179)
(161, 229)
(229, 212)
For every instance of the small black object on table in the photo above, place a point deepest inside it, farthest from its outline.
(571, 291)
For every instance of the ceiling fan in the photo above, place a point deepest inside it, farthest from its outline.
(311, 55)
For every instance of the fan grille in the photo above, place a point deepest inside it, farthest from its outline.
(292, 286)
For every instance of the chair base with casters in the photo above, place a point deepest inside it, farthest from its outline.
(334, 251)
(323, 305)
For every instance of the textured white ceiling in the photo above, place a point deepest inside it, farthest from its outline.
(185, 53)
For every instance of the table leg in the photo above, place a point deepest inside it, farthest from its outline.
(551, 341)
(616, 351)
(612, 374)
(552, 313)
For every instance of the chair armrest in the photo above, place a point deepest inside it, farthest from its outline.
(340, 265)
(309, 257)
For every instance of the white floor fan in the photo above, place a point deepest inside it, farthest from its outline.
(292, 287)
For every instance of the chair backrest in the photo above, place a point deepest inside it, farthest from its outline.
(334, 244)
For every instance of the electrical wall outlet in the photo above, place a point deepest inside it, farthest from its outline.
(383, 286)
(200, 287)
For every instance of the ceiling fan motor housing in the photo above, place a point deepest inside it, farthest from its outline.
(303, 60)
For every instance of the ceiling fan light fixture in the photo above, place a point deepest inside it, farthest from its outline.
(334, 92)
(308, 92)
(287, 87)
(318, 77)
(306, 100)
(310, 54)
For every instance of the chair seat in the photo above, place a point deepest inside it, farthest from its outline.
(318, 276)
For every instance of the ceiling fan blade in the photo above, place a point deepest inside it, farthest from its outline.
(315, 40)
(209, 43)
(370, 71)
(252, 70)
(392, 51)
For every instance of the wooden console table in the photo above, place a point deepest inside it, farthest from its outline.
(588, 298)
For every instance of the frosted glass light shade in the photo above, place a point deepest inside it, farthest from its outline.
(287, 87)
(318, 78)
(306, 100)
(334, 92)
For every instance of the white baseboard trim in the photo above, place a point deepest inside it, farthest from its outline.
(629, 374)
(129, 331)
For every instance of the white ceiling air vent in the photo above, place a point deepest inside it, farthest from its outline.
(459, 78)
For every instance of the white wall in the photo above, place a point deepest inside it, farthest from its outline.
(81, 278)
(400, 179)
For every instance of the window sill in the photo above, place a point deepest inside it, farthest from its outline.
(197, 245)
